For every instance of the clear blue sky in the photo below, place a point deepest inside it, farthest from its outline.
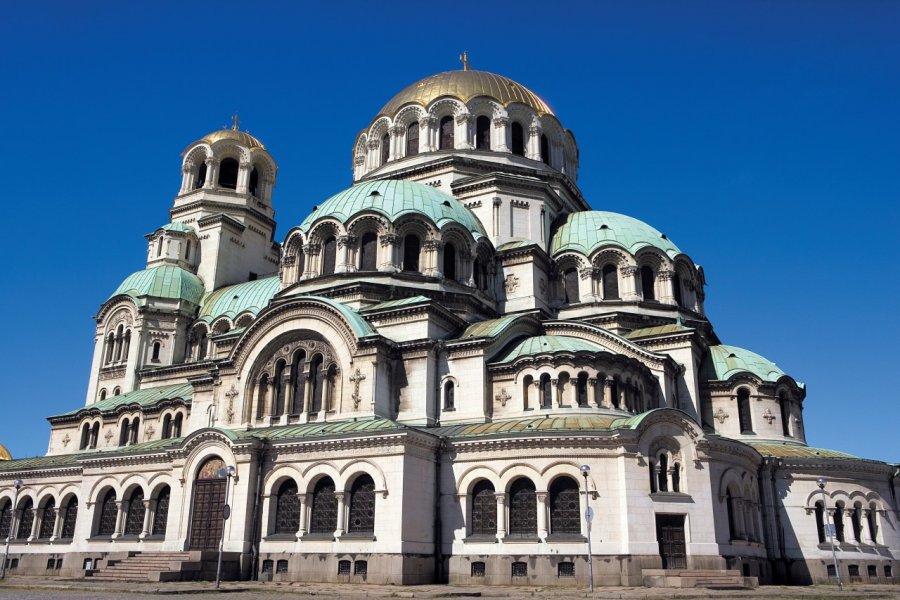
(762, 137)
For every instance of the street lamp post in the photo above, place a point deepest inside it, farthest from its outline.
(12, 527)
(588, 517)
(226, 512)
(837, 570)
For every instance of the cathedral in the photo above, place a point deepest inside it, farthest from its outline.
(454, 370)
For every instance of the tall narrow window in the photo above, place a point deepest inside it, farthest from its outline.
(159, 243)
(570, 282)
(663, 473)
(838, 517)
(676, 477)
(315, 380)
(167, 427)
(385, 148)
(253, 184)
(527, 384)
(783, 403)
(108, 514)
(110, 347)
(323, 515)
(201, 176)
(298, 382)
(449, 261)
(653, 480)
(449, 400)
(820, 522)
(483, 133)
(85, 436)
(5, 519)
(48, 520)
(546, 392)
(133, 430)
(368, 248)
(176, 425)
(856, 522)
(123, 432)
(67, 532)
(871, 518)
(676, 289)
(187, 250)
(161, 514)
(103, 394)
(411, 247)
(648, 283)
(582, 389)
(729, 506)
(610, 282)
(445, 141)
(134, 518)
(565, 516)
(518, 139)
(95, 434)
(329, 255)
(522, 508)
(262, 396)
(228, 173)
(743, 400)
(484, 509)
(545, 149)
(412, 139)
(279, 389)
(26, 520)
(287, 508)
(126, 345)
(362, 506)
(154, 356)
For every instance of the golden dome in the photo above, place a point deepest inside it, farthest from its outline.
(4, 453)
(241, 137)
(465, 85)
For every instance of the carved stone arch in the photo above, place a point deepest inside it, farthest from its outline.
(551, 127)
(364, 222)
(264, 164)
(486, 107)
(123, 314)
(197, 155)
(685, 268)
(380, 127)
(229, 149)
(569, 260)
(324, 229)
(522, 113)
(416, 224)
(132, 482)
(114, 304)
(67, 493)
(653, 258)
(446, 106)
(157, 482)
(468, 478)
(359, 150)
(665, 443)
(221, 325)
(313, 473)
(511, 472)
(611, 255)
(45, 493)
(411, 113)
(351, 470)
(730, 479)
(293, 244)
(243, 320)
(278, 475)
(100, 486)
(200, 445)
(460, 237)
(565, 468)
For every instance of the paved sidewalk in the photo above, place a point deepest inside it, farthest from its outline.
(35, 588)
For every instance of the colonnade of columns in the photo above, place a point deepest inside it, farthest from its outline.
(602, 391)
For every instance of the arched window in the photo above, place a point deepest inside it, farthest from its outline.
(110, 347)
(368, 249)
(483, 133)
(48, 520)
(228, 173)
(176, 425)
(820, 522)
(783, 404)
(445, 140)
(298, 382)
(187, 250)
(743, 400)
(85, 437)
(385, 148)
(449, 261)
(133, 431)
(123, 432)
(262, 396)
(134, 519)
(315, 380)
(484, 509)
(663, 473)
(856, 522)
(522, 508)
(126, 345)
(362, 506)
(108, 514)
(676, 477)
(201, 176)
(323, 516)
(411, 246)
(120, 333)
(527, 384)
(279, 389)
(201, 345)
(287, 508)
(167, 427)
(449, 400)
(871, 517)
(329, 389)
(581, 387)
(5, 519)
(412, 139)
(103, 394)
(116, 391)
(159, 244)
(610, 282)
(26, 521)
(329, 255)
(676, 289)
(154, 355)
(648, 283)
(161, 514)
(480, 273)
(253, 183)
(518, 139)
(729, 506)
(546, 392)
(565, 515)
(570, 282)
(653, 480)
(67, 531)
(614, 392)
(838, 516)
(545, 149)
(95, 435)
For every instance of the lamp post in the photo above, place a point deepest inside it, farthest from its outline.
(226, 512)
(588, 517)
(837, 570)
(12, 527)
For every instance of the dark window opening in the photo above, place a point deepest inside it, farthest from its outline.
(570, 283)
(228, 173)
(449, 400)
(155, 354)
(450, 261)
(362, 505)
(108, 514)
(48, 521)
(478, 569)
(134, 518)
(785, 414)
(411, 246)
(853, 570)
(519, 569)
(368, 248)
(343, 567)
(546, 392)
(518, 139)
(545, 150)
(483, 133)
(565, 516)
(522, 508)
(281, 566)
(412, 139)
(648, 283)
(565, 569)
(729, 505)
(68, 526)
(201, 176)
(161, 515)
(323, 516)
(267, 566)
(445, 139)
(253, 184)
(871, 571)
(610, 282)
(663, 473)
(287, 508)
(582, 388)
(361, 567)
(484, 509)
(838, 516)
(743, 400)
(820, 522)
(385, 148)
(329, 255)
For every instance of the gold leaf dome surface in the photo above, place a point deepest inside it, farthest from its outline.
(4, 453)
(466, 85)
(241, 137)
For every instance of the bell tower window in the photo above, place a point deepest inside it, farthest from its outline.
(411, 246)
(228, 173)
(412, 139)
(385, 148)
(482, 133)
(446, 134)
(518, 139)
(201, 176)
(253, 185)
(545, 150)
(329, 255)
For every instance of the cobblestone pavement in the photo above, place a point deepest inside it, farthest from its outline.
(33, 588)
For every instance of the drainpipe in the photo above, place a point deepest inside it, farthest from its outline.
(438, 536)
(256, 536)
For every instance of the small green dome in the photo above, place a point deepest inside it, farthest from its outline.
(164, 281)
(723, 362)
(588, 231)
(233, 300)
(549, 344)
(179, 227)
(394, 199)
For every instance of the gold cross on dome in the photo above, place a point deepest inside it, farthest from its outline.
(464, 59)
(236, 121)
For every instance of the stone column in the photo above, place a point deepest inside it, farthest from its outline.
(339, 531)
(148, 517)
(501, 515)
(430, 258)
(372, 152)
(185, 178)
(344, 243)
(243, 180)
(607, 392)
(426, 126)
(311, 252)
(121, 511)
(628, 278)
(36, 523)
(533, 144)
(463, 135)
(301, 531)
(592, 392)
(388, 259)
(542, 514)
(586, 285)
(501, 134)
(554, 391)
(396, 135)
(622, 400)
(60, 519)
(666, 280)
(212, 172)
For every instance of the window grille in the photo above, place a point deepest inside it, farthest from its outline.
(362, 505)
(478, 569)
(51, 564)
(565, 513)
(324, 507)
(565, 569)
(68, 526)
(484, 509)
(287, 508)
(24, 529)
(281, 566)
(108, 513)
(267, 566)
(134, 522)
(872, 571)
(520, 569)
(343, 567)
(48, 521)
(888, 571)
(361, 567)
(161, 516)
(522, 508)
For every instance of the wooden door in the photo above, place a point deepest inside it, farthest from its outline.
(670, 535)
(206, 513)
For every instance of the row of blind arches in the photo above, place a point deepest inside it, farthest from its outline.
(323, 507)
(446, 139)
(522, 508)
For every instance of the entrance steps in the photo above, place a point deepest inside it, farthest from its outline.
(720, 579)
(165, 566)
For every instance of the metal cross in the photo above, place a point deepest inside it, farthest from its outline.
(356, 378)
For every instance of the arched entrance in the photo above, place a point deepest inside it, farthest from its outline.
(206, 508)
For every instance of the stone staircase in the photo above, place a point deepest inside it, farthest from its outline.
(165, 566)
(698, 578)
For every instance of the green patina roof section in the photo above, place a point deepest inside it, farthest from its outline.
(58, 461)
(232, 300)
(722, 362)
(397, 303)
(515, 245)
(176, 226)
(360, 326)
(396, 198)
(490, 328)
(658, 330)
(548, 344)
(310, 430)
(588, 231)
(144, 398)
(164, 281)
(531, 424)
(781, 450)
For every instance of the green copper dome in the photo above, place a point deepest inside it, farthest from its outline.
(588, 231)
(723, 362)
(233, 300)
(549, 344)
(394, 199)
(164, 281)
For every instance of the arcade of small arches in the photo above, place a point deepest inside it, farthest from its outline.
(47, 518)
(614, 276)
(117, 346)
(483, 125)
(862, 514)
(202, 335)
(228, 165)
(370, 244)
(743, 508)
(129, 427)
